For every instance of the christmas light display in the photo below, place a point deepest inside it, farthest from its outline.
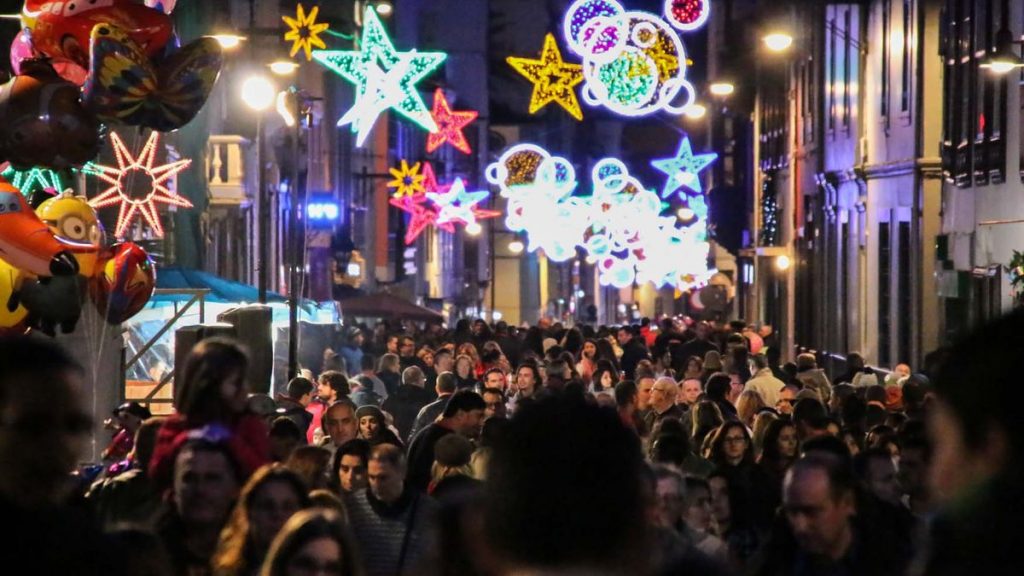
(408, 180)
(33, 179)
(456, 204)
(384, 78)
(421, 216)
(449, 125)
(633, 62)
(769, 235)
(687, 15)
(133, 174)
(620, 226)
(683, 170)
(554, 80)
(304, 31)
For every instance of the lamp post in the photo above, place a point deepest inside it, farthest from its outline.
(258, 94)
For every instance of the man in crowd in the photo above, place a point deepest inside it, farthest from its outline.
(633, 351)
(689, 392)
(463, 414)
(390, 519)
(406, 403)
(292, 404)
(644, 385)
(443, 362)
(494, 403)
(444, 387)
(495, 378)
(662, 402)
(407, 354)
(340, 424)
(764, 382)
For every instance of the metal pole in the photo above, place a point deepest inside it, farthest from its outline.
(263, 215)
(294, 259)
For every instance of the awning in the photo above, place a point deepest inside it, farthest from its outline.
(221, 289)
(383, 305)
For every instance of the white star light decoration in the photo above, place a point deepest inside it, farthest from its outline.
(137, 170)
(683, 170)
(459, 205)
(384, 78)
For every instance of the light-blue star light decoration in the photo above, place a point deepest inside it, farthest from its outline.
(384, 78)
(683, 170)
(457, 204)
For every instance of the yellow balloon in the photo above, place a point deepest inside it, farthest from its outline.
(71, 219)
(10, 280)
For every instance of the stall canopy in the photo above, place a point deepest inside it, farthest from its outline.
(221, 290)
(383, 305)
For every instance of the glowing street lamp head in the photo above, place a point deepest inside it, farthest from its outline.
(228, 41)
(778, 41)
(258, 93)
(474, 228)
(385, 8)
(783, 263)
(722, 88)
(283, 67)
(695, 111)
(516, 247)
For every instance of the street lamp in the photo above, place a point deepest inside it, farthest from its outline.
(473, 228)
(516, 247)
(228, 41)
(778, 41)
(695, 111)
(783, 262)
(722, 88)
(283, 67)
(1005, 58)
(258, 94)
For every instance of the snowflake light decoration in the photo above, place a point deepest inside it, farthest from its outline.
(633, 62)
(408, 180)
(554, 80)
(384, 78)
(141, 172)
(304, 31)
(449, 125)
(28, 181)
(620, 225)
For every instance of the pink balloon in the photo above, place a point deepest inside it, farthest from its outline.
(22, 49)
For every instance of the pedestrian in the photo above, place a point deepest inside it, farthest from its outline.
(313, 541)
(292, 404)
(270, 497)
(463, 414)
(311, 463)
(373, 427)
(405, 404)
(340, 424)
(348, 466)
(446, 385)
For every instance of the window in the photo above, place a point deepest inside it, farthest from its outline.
(907, 50)
(844, 283)
(831, 81)
(886, 46)
(884, 294)
(904, 295)
(848, 40)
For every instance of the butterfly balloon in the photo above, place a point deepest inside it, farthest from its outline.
(126, 87)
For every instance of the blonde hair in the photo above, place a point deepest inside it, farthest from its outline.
(748, 405)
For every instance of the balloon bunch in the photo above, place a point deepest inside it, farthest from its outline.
(53, 257)
(78, 64)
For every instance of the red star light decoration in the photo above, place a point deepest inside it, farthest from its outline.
(449, 125)
(133, 174)
(424, 212)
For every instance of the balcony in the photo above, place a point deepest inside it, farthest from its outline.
(229, 158)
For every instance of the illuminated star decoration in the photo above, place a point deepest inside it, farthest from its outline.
(408, 180)
(554, 80)
(28, 181)
(421, 216)
(384, 78)
(304, 32)
(449, 125)
(683, 170)
(456, 204)
(139, 169)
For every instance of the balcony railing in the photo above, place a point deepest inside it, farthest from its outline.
(227, 162)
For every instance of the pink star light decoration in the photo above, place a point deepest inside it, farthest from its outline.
(449, 125)
(137, 173)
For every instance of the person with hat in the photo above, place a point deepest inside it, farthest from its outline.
(812, 377)
(373, 427)
(126, 420)
(451, 469)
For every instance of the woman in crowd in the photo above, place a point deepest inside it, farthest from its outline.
(586, 364)
(464, 372)
(707, 417)
(779, 453)
(389, 370)
(267, 501)
(604, 377)
(373, 427)
(748, 405)
(313, 542)
(732, 453)
(694, 369)
(469, 349)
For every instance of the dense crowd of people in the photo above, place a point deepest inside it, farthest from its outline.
(669, 448)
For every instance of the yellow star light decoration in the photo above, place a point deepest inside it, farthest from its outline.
(553, 79)
(304, 32)
(408, 180)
